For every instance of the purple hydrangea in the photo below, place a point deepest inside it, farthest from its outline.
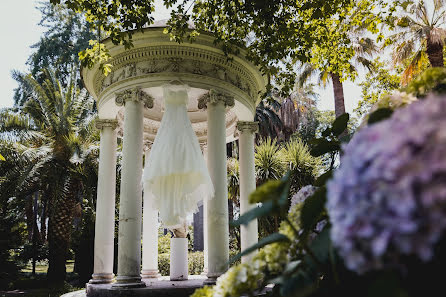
(388, 197)
(302, 194)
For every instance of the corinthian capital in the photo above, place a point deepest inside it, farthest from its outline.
(251, 127)
(102, 123)
(134, 94)
(214, 97)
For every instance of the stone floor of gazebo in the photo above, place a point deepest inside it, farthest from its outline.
(161, 287)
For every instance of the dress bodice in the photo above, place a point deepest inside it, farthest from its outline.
(175, 96)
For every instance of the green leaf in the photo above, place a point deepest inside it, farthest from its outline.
(323, 147)
(265, 209)
(321, 180)
(2, 158)
(321, 245)
(379, 115)
(386, 284)
(298, 285)
(270, 190)
(326, 132)
(275, 237)
(312, 209)
(340, 124)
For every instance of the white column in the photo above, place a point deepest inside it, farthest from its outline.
(105, 205)
(130, 207)
(149, 236)
(217, 208)
(205, 222)
(248, 233)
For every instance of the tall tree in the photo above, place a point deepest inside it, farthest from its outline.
(275, 33)
(54, 128)
(420, 36)
(66, 34)
(364, 49)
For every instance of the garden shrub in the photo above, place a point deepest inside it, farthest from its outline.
(195, 261)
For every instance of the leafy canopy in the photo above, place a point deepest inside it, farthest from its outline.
(276, 34)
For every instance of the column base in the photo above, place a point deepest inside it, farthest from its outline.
(150, 273)
(212, 278)
(101, 278)
(128, 282)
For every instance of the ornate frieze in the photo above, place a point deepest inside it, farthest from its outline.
(153, 61)
(251, 127)
(102, 123)
(134, 94)
(214, 97)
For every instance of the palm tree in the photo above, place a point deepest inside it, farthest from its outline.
(54, 131)
(270, 124)
(364, 49)
(297, 109)
(420, 37)
(304, 168)
(268, 164)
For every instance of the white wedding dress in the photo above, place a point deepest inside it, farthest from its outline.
(175, 176)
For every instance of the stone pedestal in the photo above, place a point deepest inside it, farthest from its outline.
(178, 259)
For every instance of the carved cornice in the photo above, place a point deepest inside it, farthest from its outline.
(102, 123)
(244, 126)
(214, 97)
(134, 94)
(149, 62)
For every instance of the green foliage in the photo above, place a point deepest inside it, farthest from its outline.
(268, 162)
(164, 243)
(53, 140)
(275, 34)
(303, 166)
(378, 83)
(195, 263)
(275, 237)
(66, 34)
(432, 80)
(275, 201)
(328, 145)
(379, 115)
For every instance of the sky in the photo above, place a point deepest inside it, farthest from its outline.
(19, 28)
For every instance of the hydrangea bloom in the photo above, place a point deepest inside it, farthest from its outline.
(301, 195)
(388, 198)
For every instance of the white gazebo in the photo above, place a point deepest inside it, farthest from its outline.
(223, 95)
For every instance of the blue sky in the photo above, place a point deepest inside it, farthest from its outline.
(19, 29)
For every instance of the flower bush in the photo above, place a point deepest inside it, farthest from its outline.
(387, 200)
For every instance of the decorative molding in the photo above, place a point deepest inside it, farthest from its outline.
(134, 94)
(156, 60)
(214, 97)
(148, 145)
(102, 123)
(251, 127)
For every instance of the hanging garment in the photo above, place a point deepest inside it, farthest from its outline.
(175, 175)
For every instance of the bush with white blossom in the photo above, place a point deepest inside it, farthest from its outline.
(387, 200)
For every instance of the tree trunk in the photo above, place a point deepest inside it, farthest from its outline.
(434, 52)
(59, 235)
(29, 217)
(43, 217)
(338, 92)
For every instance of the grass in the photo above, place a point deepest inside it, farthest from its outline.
(42, 267)
(27, 285)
